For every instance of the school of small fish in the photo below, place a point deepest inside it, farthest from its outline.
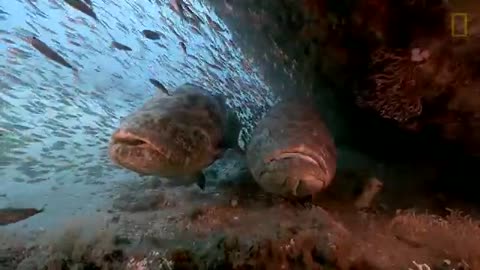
(71, 69)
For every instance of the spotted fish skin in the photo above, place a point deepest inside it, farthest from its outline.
(291, 152)
(172, 136)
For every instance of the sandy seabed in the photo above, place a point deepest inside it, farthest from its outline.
(237, 226)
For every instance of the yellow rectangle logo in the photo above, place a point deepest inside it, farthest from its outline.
(459, 20)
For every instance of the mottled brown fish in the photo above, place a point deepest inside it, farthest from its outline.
(13, 215)
(176, 136)
(159, 86)
(120, 46)
(153, 35)
(82, 7)
(291, 152)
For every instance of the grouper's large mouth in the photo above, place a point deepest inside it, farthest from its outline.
(310, 158)
(126, 138)
(298, 173)
(298, 155)
(134, 152)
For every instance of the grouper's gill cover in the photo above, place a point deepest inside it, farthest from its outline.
(292, 152)
(171, 136)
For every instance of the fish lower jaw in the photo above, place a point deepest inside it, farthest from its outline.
(139, 169)
(128, 142)
(287, 176)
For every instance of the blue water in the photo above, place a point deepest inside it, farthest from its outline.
(55, 128)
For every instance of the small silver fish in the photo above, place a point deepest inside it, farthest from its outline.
(177, 6)
(3, 131)
(48, 52)
(159, 86)
(184, 47)
(14, 215)
(153, 35)
(81, 6)
(51, 54)
(120, 46)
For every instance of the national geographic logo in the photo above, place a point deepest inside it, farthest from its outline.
(459, 24)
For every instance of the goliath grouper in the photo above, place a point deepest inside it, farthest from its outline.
(176, 136)
(291, 152)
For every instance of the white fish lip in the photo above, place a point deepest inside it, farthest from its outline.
(128, 139)
(300, 155)
(295, 154)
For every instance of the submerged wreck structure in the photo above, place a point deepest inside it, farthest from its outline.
(397, 80)
(399, 60)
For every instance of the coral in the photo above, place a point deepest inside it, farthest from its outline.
(80, 246)
(251, 235)
(394, 95)
(456, 237)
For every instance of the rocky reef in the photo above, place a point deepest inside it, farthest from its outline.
(373, 65)
(244, 229)
(234, 224)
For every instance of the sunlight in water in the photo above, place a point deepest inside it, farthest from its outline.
(55, 127)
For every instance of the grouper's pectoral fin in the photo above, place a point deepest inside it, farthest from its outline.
(200, 180)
